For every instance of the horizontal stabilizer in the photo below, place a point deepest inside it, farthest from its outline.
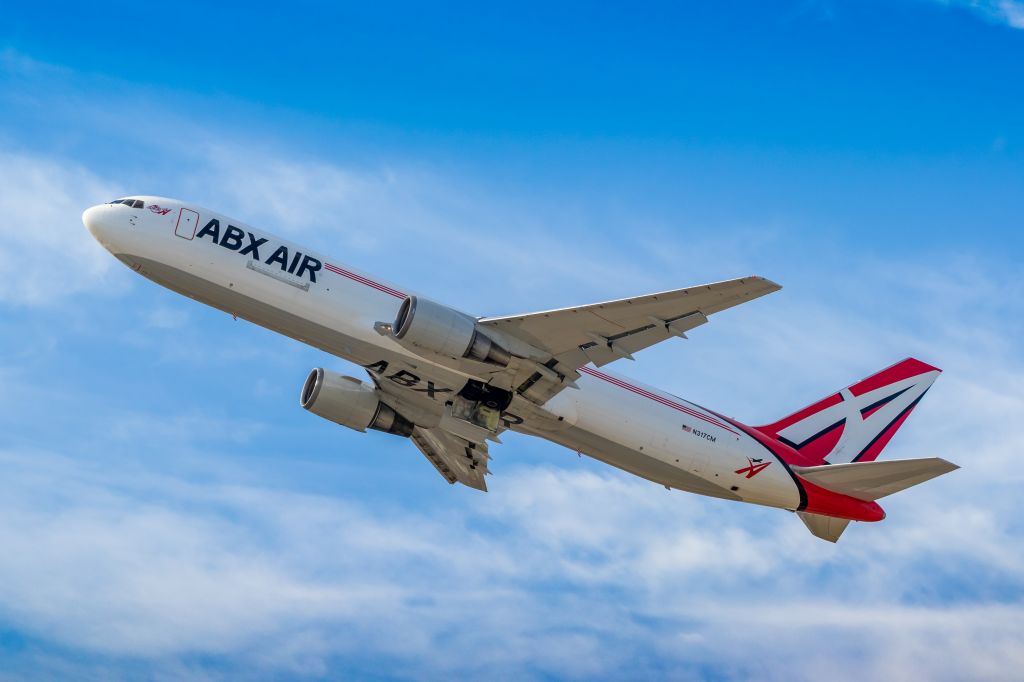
(825, 527)
(873, 480)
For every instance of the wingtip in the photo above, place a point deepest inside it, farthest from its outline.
(775, 286)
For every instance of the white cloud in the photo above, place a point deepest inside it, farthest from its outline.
(554, 573)
(166, 317)
(45, 252)
(1009, 12)
(395, 213)
(558, 571)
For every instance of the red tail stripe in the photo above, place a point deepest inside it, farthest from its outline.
(830, 503)
(363, 280)
(655, 397)
(911, 367)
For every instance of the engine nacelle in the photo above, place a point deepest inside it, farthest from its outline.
(350, 402)
(423, 325)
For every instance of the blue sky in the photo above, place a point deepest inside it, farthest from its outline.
(168, 511)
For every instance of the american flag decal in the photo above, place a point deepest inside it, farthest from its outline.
(687, 428)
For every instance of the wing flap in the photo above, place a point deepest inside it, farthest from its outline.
(602, 350)
(456, 459)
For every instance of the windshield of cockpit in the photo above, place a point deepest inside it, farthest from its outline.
(130, 203)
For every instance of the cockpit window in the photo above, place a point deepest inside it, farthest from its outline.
(130, 203)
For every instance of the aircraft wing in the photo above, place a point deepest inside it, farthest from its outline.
(603, 332)
(454, 458)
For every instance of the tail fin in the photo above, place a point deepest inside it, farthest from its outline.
(854, 424)
(825, 527)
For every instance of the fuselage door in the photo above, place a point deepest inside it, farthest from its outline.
(187, 222)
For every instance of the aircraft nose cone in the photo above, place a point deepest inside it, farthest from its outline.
(97, 220)
(91, 220)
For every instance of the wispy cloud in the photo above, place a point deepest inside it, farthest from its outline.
(45, 252)
(160, 536)
(166, 318)
(1008, 12)
(401, 209)
(563, 573)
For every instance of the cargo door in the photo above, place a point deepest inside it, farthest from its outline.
(187, 222)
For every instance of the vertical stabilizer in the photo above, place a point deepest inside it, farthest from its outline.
(854, 424)
(825, 527)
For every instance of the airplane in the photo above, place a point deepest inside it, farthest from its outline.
(453, 382)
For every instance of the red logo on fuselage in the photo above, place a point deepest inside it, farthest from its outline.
(756, 467)
(159, 210)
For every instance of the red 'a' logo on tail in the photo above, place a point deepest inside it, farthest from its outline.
(756, 467)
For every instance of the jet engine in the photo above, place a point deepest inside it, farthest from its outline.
(423, 325)
(350, 402)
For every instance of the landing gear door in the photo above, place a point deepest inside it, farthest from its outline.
(187, 222)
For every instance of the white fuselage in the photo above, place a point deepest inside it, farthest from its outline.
(314, 299)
